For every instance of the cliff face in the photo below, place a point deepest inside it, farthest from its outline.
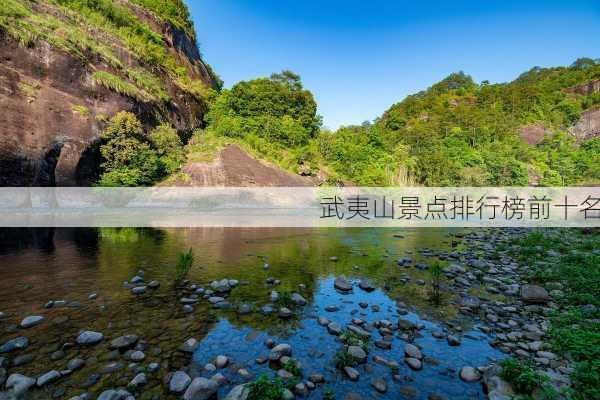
(66, 67)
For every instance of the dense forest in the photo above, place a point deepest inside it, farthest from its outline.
(456, 132)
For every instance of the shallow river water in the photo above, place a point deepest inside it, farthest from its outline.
(38, 266)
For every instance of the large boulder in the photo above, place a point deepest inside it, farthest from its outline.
(240, 392)
(342, 284)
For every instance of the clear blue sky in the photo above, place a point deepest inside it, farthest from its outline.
(360, 57)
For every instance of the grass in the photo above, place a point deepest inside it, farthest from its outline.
(292, 367)
(29, 90)
(81, 110)
(117, 84)
(525, 380)
(328, 394)
(342, 359)
(263, 388)
(184, 264)
(571, 259)
(352, 339)
(435, 273)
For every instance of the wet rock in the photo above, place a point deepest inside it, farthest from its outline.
(531, 294)
(471, 302)
(179, 382)
(244, 309)
(239, 392)
(351, 373)
(17, 343)
(405, 325)
(316, 378)
(357, 353)
(496, 387)
(113, 394)
(413, 351)
(244, 373)
(352, 396)
(453, 340)
(138, 380)
(266, 309)
(366, 285)
(22, 360)
(137, 356)
(360, 332)
(284, 313)
(383, 344)
(331, 308)
(300, 389)
(285, 375)
(379, 384)
(111, 367)
(58, 355)
(210, 367)
(469, 374)
(219, 379)
(274, 296)
(89, 338)
(221, 361)
(279, 351)
(334, 328)
(124, 342)
(48, 377)
(342, 284)
(75, 364)
(18, 384)
(298, 299)
(188, 309)
(414, 363)
(139, 290)
(323, 321)
(154, 284)
(215, 299)
(31, 320)
(189, 346)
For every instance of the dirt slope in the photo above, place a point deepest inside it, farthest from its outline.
(234, 167)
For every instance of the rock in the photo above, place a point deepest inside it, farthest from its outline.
(453, 340)
(139, 290)
(93, 296)
(18, 384)
(496, 388)
(215, 299)
(333, 258)
(244, 373)
(531, 294)
(323, 321)
(471, 302)
(221, 361)
(179, 382)
(279, 351)
(239, 392)
(113, 394)
(89, 338)
(357, 353)
(154, 284)
(124, 342)
(300, 389)
(334, 328)
(285, 375)
(137, 356)
(316, 378)
(342, 284)
(17, 343)
(274, 296)
(244, 309)
(298, 299)
(138, 380)
(3, 374)
(219, 378)
(111, 367)
(31, 320)
(414, 363)
(201, 389)
(360, 332)
(379, 385)
(469, 374)
(287, 395)
(75, 364)
(331, 308)
(413, 351)
(366, 285)
(351, 373)
(136, 279)
(48, 377)
(285, 313)
(153, 367)
(383, 344)
(405, 325)
(189, 346)
(210, 367)
(188, 309)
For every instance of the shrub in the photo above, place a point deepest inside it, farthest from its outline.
(264, 388)
(184, 264)
(168, 147)
(292, 367)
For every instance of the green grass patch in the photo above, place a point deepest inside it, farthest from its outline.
(81, 110)
(119, 85)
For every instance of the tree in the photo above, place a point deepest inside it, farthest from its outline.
(168, 147)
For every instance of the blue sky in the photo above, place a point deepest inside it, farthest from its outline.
(360, 57)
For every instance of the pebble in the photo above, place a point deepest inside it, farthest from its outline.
(89, 338)
(31, 320)
(124, 342)
(414, 363)
(17, 343)
(75, 364)
(469, 374)
(138, 380)
(221, 361)
(201, 389)
(48, 377)
(379, 385)
(351, 373)
(179, 382)
(18, 384)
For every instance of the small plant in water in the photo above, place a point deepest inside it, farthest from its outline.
(264, 388)
(292, 367)
(342, 359)
(183, 266)
(435, 274)
(285, 299)
(328, 394)
(352, 339)
(525, 380)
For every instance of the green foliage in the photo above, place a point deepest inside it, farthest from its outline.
(435, 273)
(292, 367)
(277, 109)
(328, 394)
(132, 158)
(184, 264)
(285, 299)
(524, 379)
(352, 339)
(117, 84)
(264, 388)
(342, 359)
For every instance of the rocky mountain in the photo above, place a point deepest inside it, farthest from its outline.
(67, 66)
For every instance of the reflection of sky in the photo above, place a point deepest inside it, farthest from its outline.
(314, 348)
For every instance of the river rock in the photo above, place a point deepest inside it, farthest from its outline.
(298, 299)
(154, 284)
(469, 374)
(414, 363)
(18, 384)
(317, 378)
(89, 338)
(215, 299)
(282, 349)
(139, 290)
(17, 343)
(138, 380)
(342, 284)
(124, 342)
(201, 389)
(532, 294)
(75, 364)
(405, 325)
(137, 356)
(379, 385)
(496, 387)
(471, 302)
(301, 389)
(351, 373)
(48, 377)
(360, 332)
(357, 353)
(239, 392)
(31, 320)
(366, 285)
(334, 328)
(113, 394)
(189, 346)
(413, 351)
(221, 361)
(179, 382)
(285, 313)
(453, 340)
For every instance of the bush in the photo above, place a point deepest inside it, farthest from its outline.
(264, 388)
(168, 147)
(524, 379)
